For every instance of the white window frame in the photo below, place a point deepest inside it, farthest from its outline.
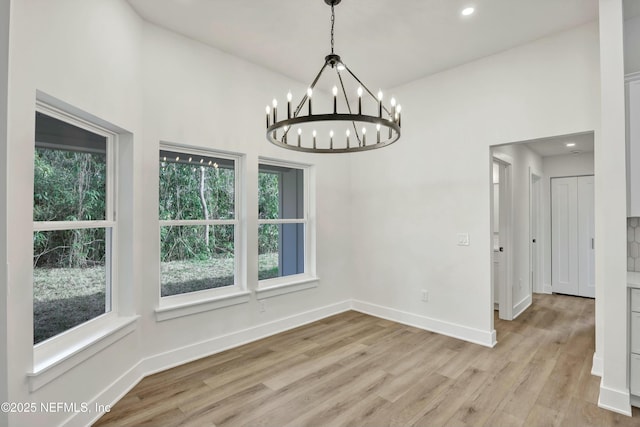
(60, 346)
(308, 279)
(173, 306)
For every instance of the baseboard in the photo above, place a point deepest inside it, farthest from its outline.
(494, 338)
(112, 394)
(520, 307)
(596, 365)
(615, 400)
(546, 289)
(160, 362)
(476, 336)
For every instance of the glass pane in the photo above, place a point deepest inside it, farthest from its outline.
(69, 172)
(268, 253)
(280, 250)
(268, 195)
(280, 193)
(194, 258)
(70, 283)
(196, 187)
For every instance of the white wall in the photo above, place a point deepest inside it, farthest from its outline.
(411, 199)
(632, 45)
(99, 56)
(568, 165)
(555, 167)
(523, 160)
(4, 81)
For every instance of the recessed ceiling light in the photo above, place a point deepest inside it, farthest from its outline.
(467, 11)
(570, 144)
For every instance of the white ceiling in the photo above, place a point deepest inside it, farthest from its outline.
(386, 43)
(557, 146)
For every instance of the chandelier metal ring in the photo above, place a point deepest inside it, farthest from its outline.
(284, 128)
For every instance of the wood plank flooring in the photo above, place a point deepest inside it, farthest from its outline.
(357, 370)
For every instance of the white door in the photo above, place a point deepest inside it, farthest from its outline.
(501, 239)
(586, 242)
(534, 217)
(564, 235)
(498, 274)
(572, 231)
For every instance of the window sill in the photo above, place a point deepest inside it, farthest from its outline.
(293, 285)
(189, 308)
(47, 370)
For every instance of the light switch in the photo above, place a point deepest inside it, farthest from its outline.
(463, 239)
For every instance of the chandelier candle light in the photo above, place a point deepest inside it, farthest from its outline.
(277, 131)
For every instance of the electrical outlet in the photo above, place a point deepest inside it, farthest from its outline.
(263, 306)
(425, 295)
(463, 239)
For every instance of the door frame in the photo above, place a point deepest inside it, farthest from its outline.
(505, 309)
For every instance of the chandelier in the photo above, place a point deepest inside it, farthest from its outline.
(348, 128)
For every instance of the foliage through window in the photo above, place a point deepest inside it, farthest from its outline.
(281, 221)
(73, 225)
(197, 222)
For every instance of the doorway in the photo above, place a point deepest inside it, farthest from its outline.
(525, 265)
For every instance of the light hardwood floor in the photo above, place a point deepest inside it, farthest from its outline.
(354, 369)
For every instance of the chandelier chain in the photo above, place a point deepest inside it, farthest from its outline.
(333, 21)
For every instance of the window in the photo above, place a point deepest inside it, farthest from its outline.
(74, 223)
(282, 221)
(198, 221)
